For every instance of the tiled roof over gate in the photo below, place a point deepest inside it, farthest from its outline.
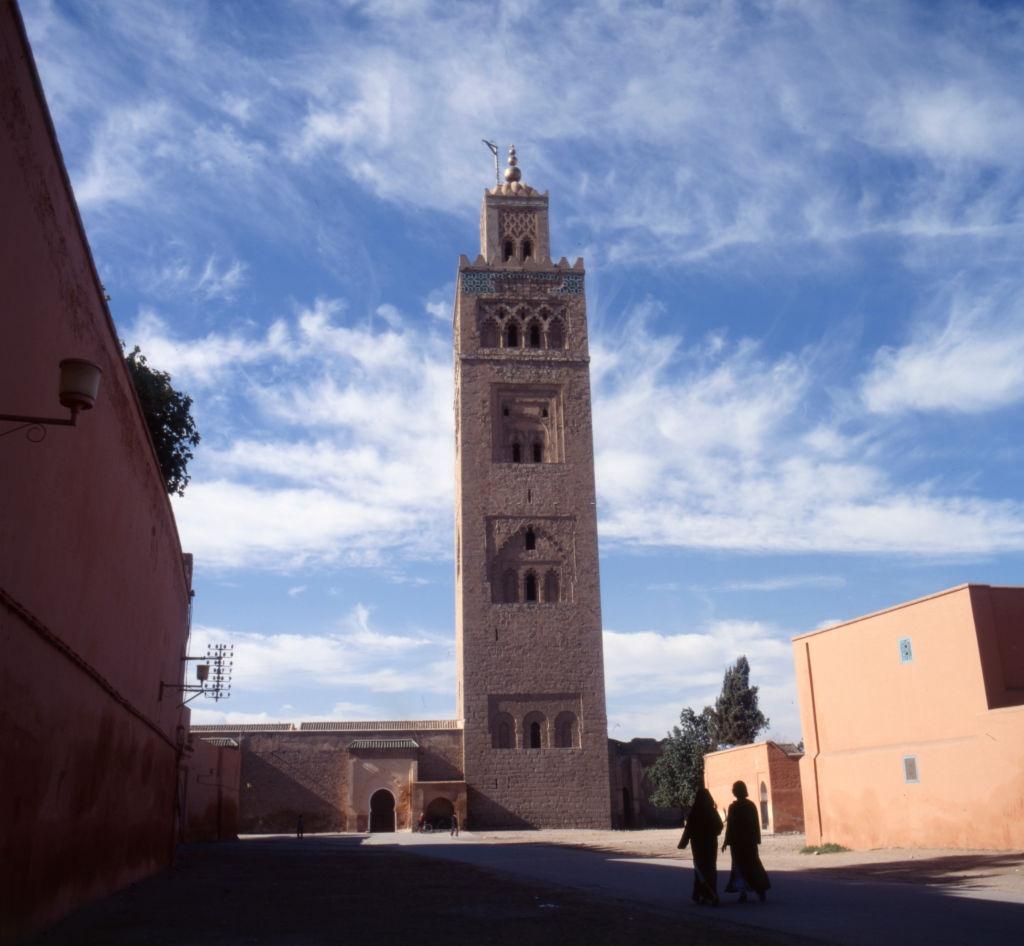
(383, 744)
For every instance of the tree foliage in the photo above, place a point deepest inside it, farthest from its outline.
(737, 719)
(169, 417)
(679, 771)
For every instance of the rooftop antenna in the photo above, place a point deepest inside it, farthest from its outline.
(494, 150)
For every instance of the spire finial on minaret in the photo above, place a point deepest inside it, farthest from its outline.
(512, 173)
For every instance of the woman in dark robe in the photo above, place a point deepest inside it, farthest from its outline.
(703, 826)
(742, 836)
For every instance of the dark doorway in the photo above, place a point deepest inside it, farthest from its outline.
(382, 811)
(764, 807)
(439, 814)
(627, 809)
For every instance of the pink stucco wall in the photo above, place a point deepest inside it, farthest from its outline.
(757, 764)
(954, 707)
(93, 589)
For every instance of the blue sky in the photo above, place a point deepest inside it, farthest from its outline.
(802, 225)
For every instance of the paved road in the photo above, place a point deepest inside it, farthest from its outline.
(849, 911)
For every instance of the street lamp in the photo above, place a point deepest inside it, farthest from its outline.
(77, 389)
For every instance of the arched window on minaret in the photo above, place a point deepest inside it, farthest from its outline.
(510, 586)
(538, 452)
(551, 587)
(508, 251)
(503, 732)
(556, 334)
(567, 731)
(531, 587)
(530, 540)
(512, 334)
(517, 453)
(534, 735)
(527, 249)
(533, 334)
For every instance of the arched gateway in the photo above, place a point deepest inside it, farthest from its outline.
(382, 811)
(439, 814)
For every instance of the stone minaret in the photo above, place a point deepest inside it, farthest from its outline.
(528, 604)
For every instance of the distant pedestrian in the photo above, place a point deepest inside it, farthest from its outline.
(300, 828)
(421, 822)
(703, 826)
(743, 835)
(455, 825)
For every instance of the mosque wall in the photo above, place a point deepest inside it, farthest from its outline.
(287, 771)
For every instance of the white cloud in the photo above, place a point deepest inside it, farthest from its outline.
(972, 362)
(116, 170)
(356, 657)
(707, 447)
(785, 583)
(791, 124)
(650, 676)
(223, 284)
(296, 590)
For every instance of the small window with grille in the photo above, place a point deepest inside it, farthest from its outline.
(906, 650)
(910, 773)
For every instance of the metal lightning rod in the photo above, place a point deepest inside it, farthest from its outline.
(494, 150)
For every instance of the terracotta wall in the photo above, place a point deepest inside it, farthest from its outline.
(759, 764)
(212, 775)
(93, 590)
(951, 709)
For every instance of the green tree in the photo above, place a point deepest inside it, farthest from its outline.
(737, 719)
(679, 771)
(169, 417)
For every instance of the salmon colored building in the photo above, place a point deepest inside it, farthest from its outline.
(771, 772)
(94, 589)
(913, 723)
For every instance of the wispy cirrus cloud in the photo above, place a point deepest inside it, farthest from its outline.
(706, 445)
(354, 655)
(966, 361)
(730, 450)
(785, 124)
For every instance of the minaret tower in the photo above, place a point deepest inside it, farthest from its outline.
(528, 606)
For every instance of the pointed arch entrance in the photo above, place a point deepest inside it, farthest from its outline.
(382, 811)
(438, 814)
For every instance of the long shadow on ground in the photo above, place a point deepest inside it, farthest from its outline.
(913, 903)
(338, 890)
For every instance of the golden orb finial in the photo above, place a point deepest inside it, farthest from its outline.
(512, 173)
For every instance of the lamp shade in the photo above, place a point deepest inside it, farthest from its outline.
(79, 383)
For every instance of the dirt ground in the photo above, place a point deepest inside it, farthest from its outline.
(333, 889)
(997, 871)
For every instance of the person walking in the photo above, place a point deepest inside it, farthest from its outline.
(703, 826)
(300, 828)
(742, 836)
(455, 825)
